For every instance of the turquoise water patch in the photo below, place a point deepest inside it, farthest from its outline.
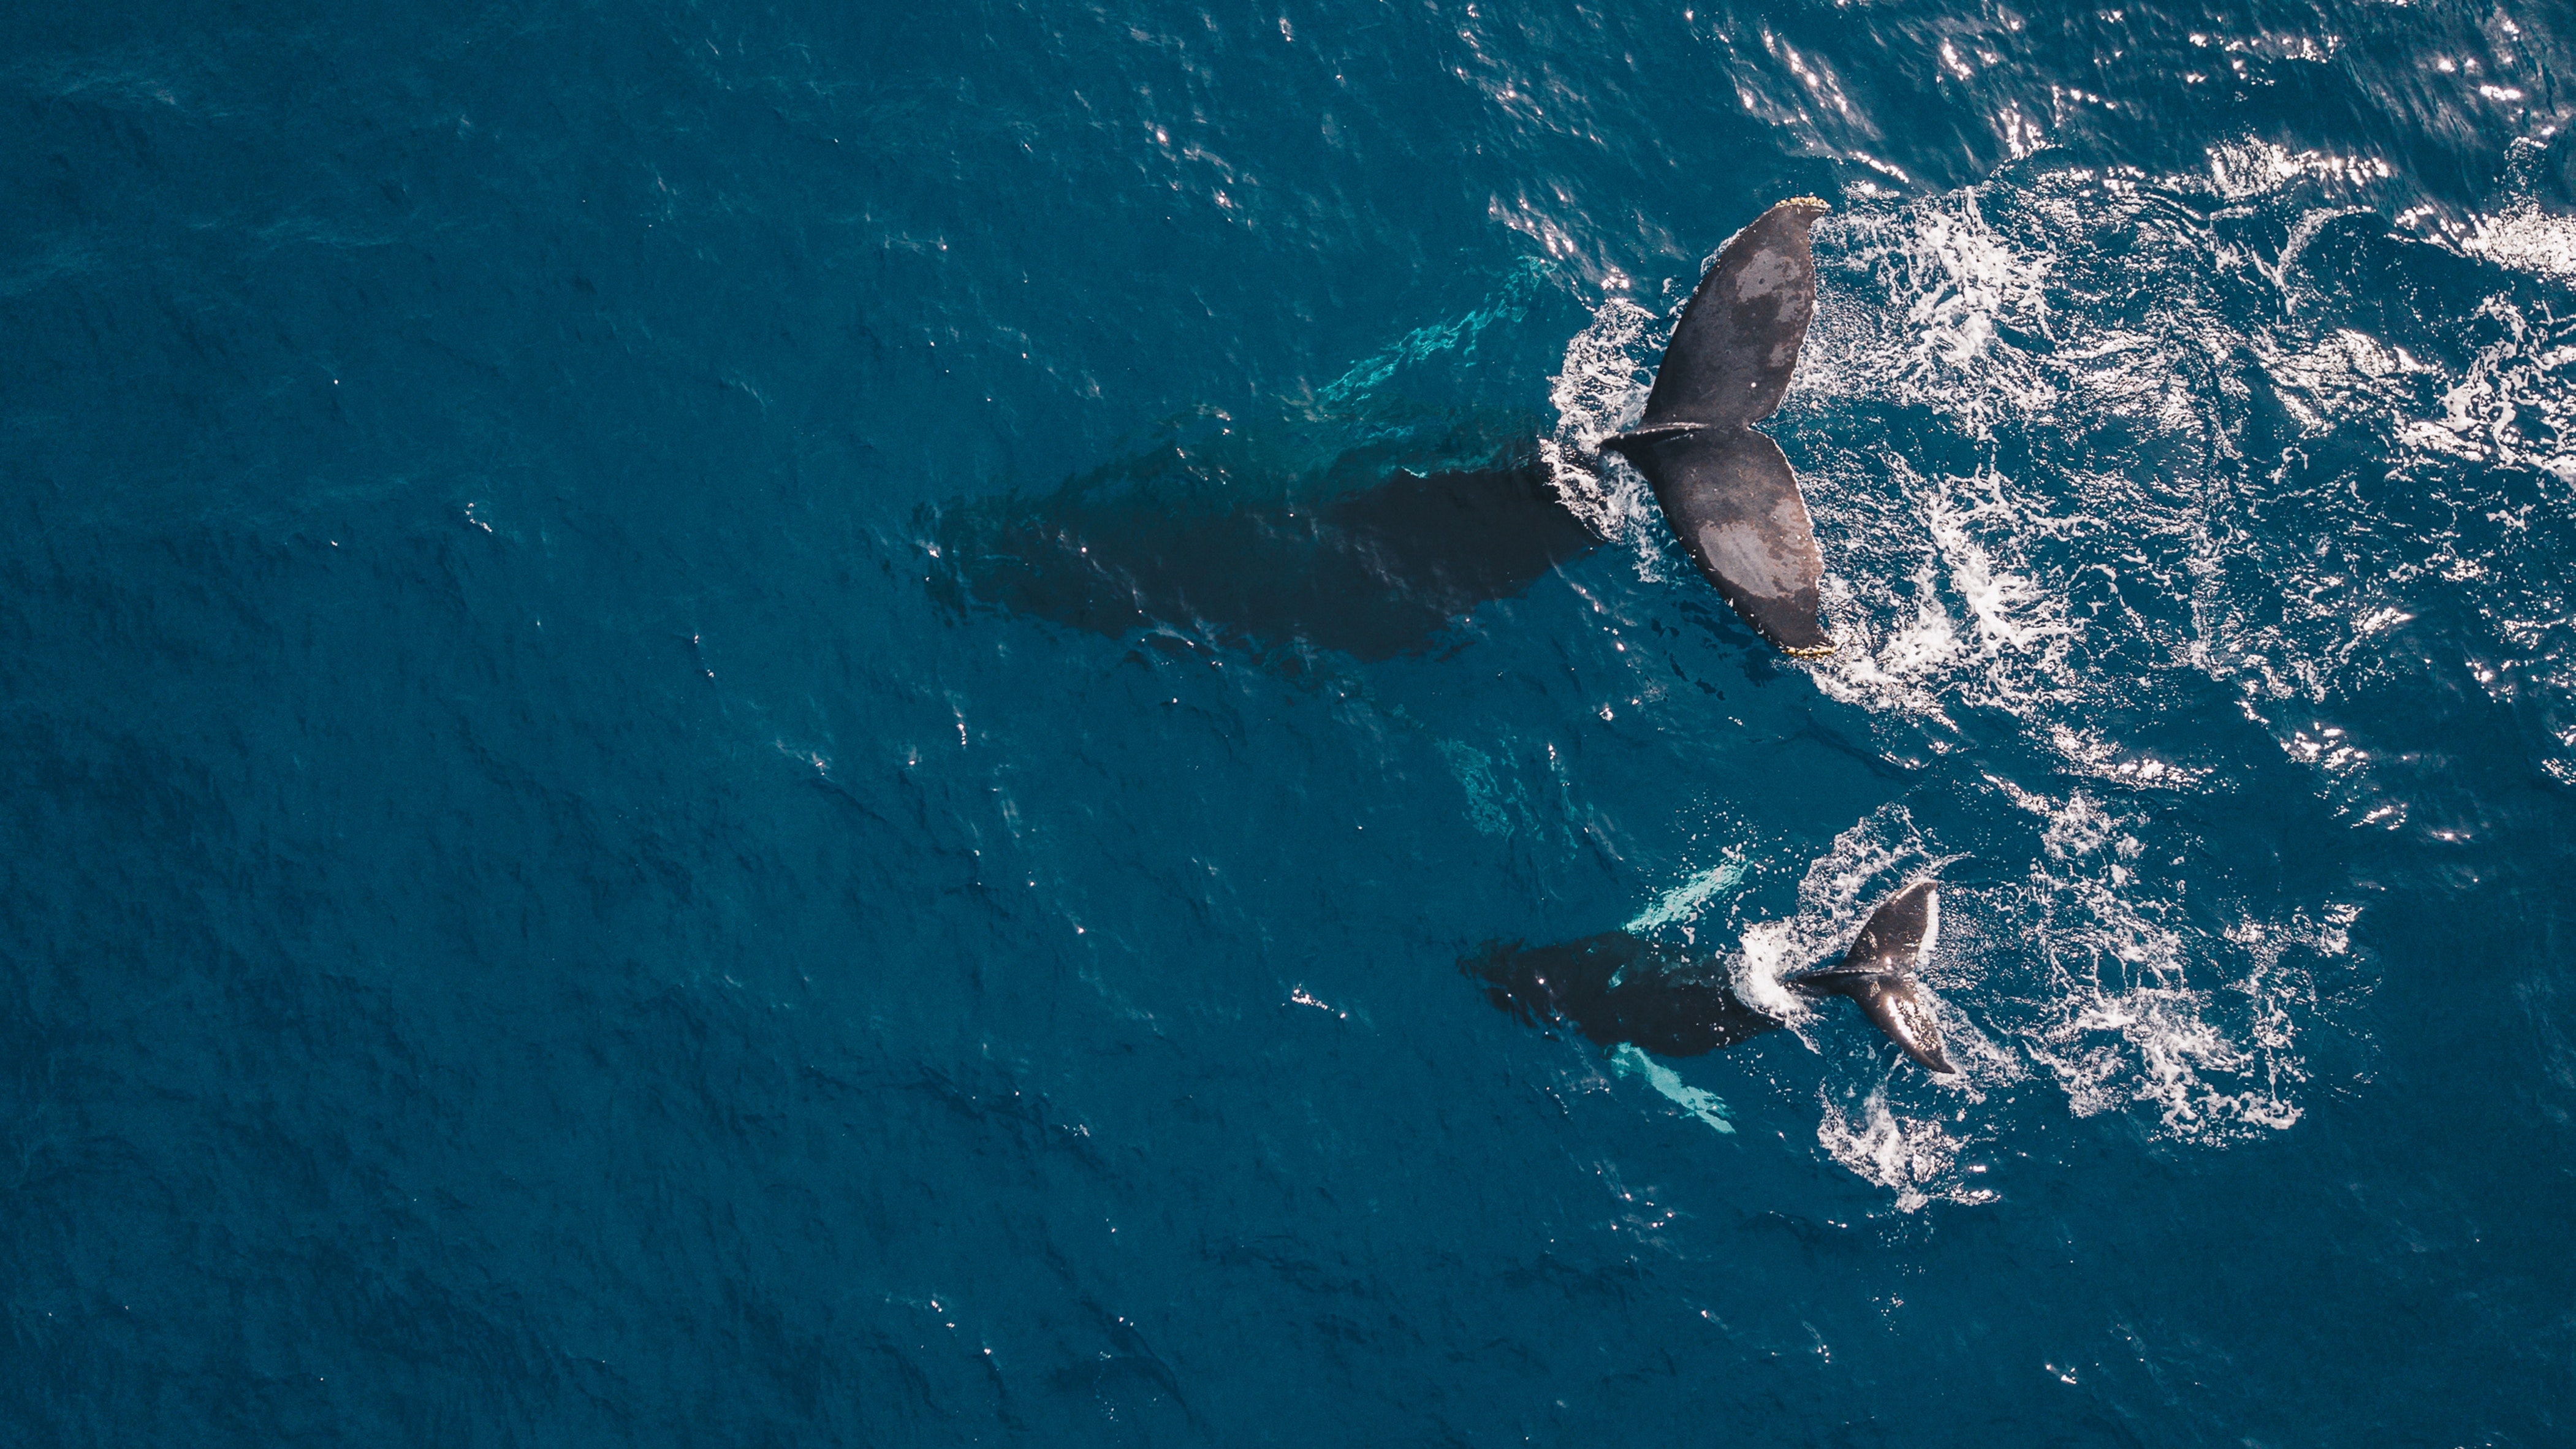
(1684, 902)
(1510, 303)
(1498, 802)
(1629, 1061)
(1475, 771)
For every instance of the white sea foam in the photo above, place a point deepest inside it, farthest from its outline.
(1915, 1157)
(2135, 1008)
(2086, 971)
(2250, 169)
(1600, 390)
(1980, 318)
(2525, 237)
(2066, 476)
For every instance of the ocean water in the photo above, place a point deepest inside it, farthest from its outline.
(578, 872)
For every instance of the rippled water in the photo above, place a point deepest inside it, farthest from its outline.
(590, 858)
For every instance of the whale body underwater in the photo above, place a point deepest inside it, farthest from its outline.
(1279, 540)
(1375, 548)
(1303, 537)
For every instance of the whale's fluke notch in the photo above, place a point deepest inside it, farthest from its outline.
(1726, 489)
(1878, 973)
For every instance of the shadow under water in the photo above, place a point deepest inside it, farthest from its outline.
(1367, 535)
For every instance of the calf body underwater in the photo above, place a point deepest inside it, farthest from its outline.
(1619, 987)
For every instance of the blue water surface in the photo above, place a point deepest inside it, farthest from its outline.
(538, 908)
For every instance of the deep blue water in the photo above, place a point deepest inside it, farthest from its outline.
(536, 911)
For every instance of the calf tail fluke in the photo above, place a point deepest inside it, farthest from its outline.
(1878, 973)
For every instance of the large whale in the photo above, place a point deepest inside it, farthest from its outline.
(1372, 535)
(1362, 533)
(1617, 987)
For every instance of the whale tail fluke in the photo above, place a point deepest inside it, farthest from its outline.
(1731, 497)
(1726, 489)
(1736, 346)
(1878, 973)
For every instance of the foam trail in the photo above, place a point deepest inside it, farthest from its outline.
(1602, 387)
(2053, 527)
(1916, 1158)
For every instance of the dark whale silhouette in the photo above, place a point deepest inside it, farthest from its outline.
(1268, 541)
(1372, 535)
(1726, 489)
(1617, 987)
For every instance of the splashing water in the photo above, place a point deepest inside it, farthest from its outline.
(1601, 389)
(2051, 522)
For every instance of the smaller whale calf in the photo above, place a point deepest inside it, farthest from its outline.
(1618, 987)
